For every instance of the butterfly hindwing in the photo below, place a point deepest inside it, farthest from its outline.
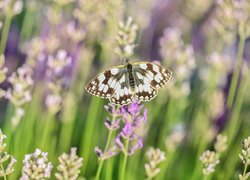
(144, 91)
(123, 93)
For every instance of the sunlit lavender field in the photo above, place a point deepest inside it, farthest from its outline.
(197, 127)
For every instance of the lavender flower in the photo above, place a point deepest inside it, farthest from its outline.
(245, 155)
(69, 167)
(180, 57)
(209, 159)
(56, 66)
(35, 51)
(245, 158)
(110, 152)
(11, 8)
(175, 138)
(15, 120)
(59, 62)
(133, 120)
(112, 126)
(19, 94)
(6, 161)
(216, 69)
(36, 166)
(221, 143)
(53, 102)
(126, 37)
(154, 157)
(232, 17)
(21, 81)
(75, 33)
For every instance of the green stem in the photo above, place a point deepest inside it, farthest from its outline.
(99, 170)
(46, 131)
(109, 169)
(5, 33)
(27, 25)
(4, 177)
(245, 170)
(87, 143)
(233, 85)
(125, 159)
(205, 177)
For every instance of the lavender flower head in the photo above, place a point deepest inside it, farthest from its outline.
(70, 165)
(6, 161)
(133, 120)
(36, 166)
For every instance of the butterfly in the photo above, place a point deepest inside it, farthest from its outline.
(121, 84)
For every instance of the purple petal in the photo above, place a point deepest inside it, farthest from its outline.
(118, 142)
(139, 145)
(127, 130)
(98, 151)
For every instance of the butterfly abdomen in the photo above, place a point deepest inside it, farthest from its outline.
(131, 76)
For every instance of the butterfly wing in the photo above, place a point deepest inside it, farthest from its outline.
(157, 75)
(104, 84)
(123, 94)
(149, 78)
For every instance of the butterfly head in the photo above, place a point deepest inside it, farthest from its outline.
(129, 67)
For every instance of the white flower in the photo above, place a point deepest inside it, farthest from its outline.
(155, 157)
(36, 165)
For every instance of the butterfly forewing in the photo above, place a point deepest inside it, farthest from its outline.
(157, 75)
(149, 77)
(104, 84)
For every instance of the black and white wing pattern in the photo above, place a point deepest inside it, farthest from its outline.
(111, 84)
(104, 84)
(149, 77)
(122, 84)
(123, 94)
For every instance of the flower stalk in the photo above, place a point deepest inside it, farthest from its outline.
(236, 73)
(5, 33)
(125, 160)
(99, 169)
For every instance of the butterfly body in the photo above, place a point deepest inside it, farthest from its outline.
(121, 84)
(130, 75)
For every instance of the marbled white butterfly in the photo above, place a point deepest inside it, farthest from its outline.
(121, 84)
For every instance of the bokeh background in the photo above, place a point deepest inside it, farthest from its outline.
(50, 49)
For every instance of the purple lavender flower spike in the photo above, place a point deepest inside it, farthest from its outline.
(99, 152)
(119, 142)
(112, 125)
(108, 124)
(138, 145)
(134, 108)
(133, 118)
(111, 152)
(127, 130)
